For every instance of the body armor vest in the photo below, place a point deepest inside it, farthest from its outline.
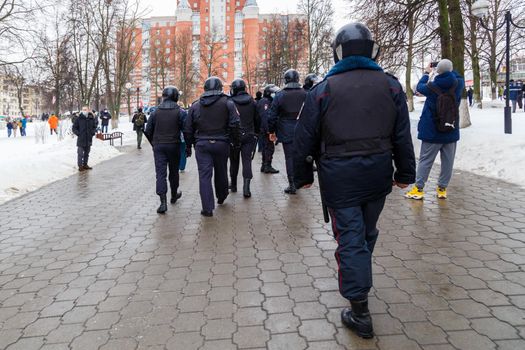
(361, 115)
(247, 115)
(214, 119)
(167, 129)
(292, 102)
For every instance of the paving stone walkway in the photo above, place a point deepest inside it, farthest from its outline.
(85, 263)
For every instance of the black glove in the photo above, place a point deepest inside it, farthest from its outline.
(188, 151)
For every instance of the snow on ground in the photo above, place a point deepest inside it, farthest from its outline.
(26, 166)
(484, 148)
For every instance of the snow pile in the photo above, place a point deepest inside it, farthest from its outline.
(484, 148)
(26, 165)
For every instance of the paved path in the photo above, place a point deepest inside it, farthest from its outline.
(85, 263)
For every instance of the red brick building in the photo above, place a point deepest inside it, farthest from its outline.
(204, 38)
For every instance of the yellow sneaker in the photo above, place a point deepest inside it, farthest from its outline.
(442, 193)
(415, 193)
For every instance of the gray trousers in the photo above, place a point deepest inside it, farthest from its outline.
(429, 151)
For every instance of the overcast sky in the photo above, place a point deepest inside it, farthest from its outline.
(163, 7)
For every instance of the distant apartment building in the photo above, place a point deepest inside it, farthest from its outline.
(30, 98)
(226, 38)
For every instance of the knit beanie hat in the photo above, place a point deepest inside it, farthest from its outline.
(444, 66)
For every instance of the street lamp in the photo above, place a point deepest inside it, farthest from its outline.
(480, 9)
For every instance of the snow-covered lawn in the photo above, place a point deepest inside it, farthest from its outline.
(484, 148)
(26, 166)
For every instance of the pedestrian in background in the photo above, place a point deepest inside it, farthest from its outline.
(139, 123)
(53, 124)
(85, 127)
(514, 89)
(105, 117)
(437, 135)
(470, 95)
(23, 126)
(9, 127)
(520, 94)
(15, 127)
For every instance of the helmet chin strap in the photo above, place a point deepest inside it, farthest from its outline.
(366, 48)
(376, 51)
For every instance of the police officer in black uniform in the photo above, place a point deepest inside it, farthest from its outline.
(212, 126)
(263, 108)
(310, 80)
(163, 130)
(356, 125)
(282, 119)
(250, 128)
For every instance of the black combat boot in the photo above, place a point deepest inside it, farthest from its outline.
(163, 204)
(207, 214)
(291, 188)
(175, 197)
(246, 189)
(263, 167)
(233, 185)
(270, 169)
(358, 319)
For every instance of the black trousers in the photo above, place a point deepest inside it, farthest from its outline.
(288, 155)
(268, 149)
(83, 155)
(212, 161)
(244, 153)
(167, 157)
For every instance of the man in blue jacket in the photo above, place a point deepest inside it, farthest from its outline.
(515, 89)
(356, 125)
(433, 140)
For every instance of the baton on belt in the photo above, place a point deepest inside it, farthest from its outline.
(310, 160)
(255, 148)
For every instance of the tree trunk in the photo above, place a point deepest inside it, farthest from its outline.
(444, 29)
(493, 73)
(458, 54)
(410, 51)
(475, 60)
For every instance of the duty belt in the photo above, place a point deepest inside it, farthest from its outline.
(364, 147)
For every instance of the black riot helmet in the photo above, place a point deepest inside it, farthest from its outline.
(213, 86)
(291, 76)
(310, 81)
(170, 93)
(354, 39)
(269, 90)
(238, 85)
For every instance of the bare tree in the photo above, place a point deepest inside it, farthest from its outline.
(211, 53)
(161, 54)
(492, 50)
(15, 33)
(55, 57)
(187, 75)
(455, 34)
(319, 32)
